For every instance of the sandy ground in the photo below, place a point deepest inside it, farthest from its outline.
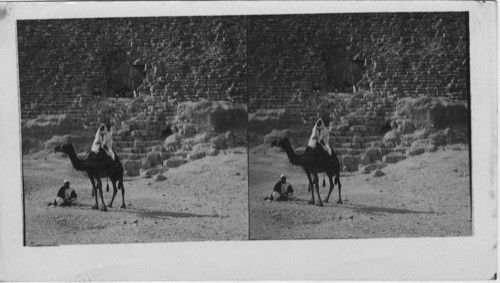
(201, 200)
(422, 196)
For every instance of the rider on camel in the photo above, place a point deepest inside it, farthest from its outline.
(103, 139)
(320, 135)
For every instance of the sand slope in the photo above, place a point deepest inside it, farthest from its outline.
(422, 196)
(202, 200)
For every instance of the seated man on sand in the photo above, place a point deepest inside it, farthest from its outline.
(66, 195)
(282, 191)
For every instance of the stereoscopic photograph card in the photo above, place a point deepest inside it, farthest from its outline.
(249, 141)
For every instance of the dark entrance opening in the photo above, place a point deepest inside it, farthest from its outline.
(126, 78)
(343, 72)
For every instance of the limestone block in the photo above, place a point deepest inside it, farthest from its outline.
(129, 165)
(370, 167)
(431, 148)
(137, 150)
(213, 151)
(357, 139)
(401, 149)
(416, 151)
(406, 127)
(132, 172)
(188, 130)
(166, 155)
(154, 157)
(352, 168)
(393, 157)
(365, 159)
(374, 154)
(182, 154)
(152, 171)
(138, 143)
(146, 164)
(351, 160)
(175, 162)
(196, 155)
(160, 177)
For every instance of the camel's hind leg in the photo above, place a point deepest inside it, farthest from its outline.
(115, 190)
(310, 188)
(337, 180)
(103, 207)
(330, 179)
(316, 187)
(120, 185)
(94, 191)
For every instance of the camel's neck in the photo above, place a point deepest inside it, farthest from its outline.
(292, 156)
(75, 161)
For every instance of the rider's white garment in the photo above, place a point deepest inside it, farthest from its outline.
(320, 135)
(103, 138)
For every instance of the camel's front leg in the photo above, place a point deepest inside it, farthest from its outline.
(316, 187)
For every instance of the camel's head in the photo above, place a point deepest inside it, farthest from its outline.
(65, 148)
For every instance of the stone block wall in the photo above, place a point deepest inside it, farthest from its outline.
(272, 61)
(186, 58)
(407, 54)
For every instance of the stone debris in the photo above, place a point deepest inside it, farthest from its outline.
(378, 173)
(160, 177)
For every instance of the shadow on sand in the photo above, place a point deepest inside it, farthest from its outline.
(156, 214)
(381, 210)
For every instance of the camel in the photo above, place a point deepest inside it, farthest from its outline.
(97, 169)
(314, 162)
